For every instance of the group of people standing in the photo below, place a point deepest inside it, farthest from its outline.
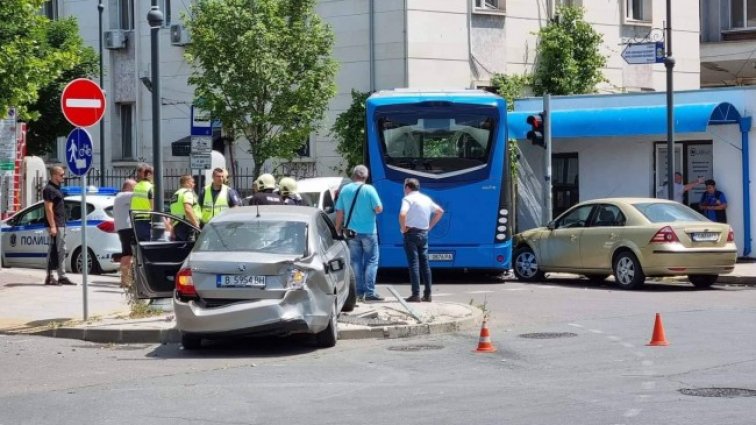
(358, 205)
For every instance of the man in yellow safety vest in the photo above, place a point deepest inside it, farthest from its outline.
(142, 200)
(217, 197)
(184, 204)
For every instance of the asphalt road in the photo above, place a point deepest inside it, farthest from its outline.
(593, 369)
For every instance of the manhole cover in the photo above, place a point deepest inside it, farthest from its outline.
(719, 392)
(425, 347)
(548, 335)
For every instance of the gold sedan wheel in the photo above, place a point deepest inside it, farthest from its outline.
(627, 271)
(526, 265)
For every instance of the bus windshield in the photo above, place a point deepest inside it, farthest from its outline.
(437, 140)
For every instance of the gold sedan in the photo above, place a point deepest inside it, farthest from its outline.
(631, 238)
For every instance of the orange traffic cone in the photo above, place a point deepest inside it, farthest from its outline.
(658, 338)
(484, 343)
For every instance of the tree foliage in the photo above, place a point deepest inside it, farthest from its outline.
(61, 35)
(569, 61)
(349, 131)
(27, 61)
(511, 87)
(264, 68)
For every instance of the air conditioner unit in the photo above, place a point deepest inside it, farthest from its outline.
(115, 39)
(180, 35)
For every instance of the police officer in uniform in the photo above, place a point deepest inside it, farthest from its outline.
(287, 188)
(217, 197)
(265, 195)
(142, 200)
(184, 205)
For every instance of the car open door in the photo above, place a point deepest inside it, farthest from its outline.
(156, 263)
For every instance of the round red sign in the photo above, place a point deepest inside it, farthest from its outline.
(83, 102)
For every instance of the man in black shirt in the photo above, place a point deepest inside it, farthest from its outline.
(265, 195)
(55, 220)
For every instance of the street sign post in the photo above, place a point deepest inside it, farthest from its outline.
(201, 132)
(644, 53)
(83, 102)
(79, 159)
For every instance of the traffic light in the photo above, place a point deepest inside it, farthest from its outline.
(536, 134)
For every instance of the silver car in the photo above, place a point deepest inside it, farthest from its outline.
(276, 270)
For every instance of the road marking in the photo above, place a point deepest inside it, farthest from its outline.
(480, 292)
(595, 331)
(83, 103)
(613, 338)
(515, 289)
(631, 412)
(628, 345)
(576, 325)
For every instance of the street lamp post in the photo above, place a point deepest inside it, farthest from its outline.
(669, 63)
(100, 8)
(155, 20)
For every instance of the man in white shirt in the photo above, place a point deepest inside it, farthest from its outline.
(121, 208)
(679, 188)
(417, 217)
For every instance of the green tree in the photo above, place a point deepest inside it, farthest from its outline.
(27, 62)
(264, 68)
(349, 131)
(568, 61)
(61, 35)
(511, 87)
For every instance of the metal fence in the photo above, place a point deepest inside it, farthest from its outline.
(241, 182)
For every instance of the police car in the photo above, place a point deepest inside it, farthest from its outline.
(25, 237)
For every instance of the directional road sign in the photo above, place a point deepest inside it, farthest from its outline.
(83, 102)
(644, 53)
(79, 151)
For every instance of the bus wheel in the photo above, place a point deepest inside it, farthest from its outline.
(526, 265)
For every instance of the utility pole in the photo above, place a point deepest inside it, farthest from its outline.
(100, 8)
(155, 20)
(547, 196)
(669, 63)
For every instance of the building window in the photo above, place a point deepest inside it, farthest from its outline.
(126, 14)
(126, 112)
(742, 14)
(637, 10)
(50, 9)
(489, 6)
(304, 151)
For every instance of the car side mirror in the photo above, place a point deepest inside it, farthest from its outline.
(551, 225)
(336, 264)
(328, 209)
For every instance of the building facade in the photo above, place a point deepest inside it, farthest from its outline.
(728, 43)
(380, 44)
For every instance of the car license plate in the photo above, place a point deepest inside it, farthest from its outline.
(441, 256)
(239, 281)
(705, 237)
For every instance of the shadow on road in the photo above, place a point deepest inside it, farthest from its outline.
(262, 347)
(441, 276)
(609, 285)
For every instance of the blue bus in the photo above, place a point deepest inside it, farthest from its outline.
(455, 144)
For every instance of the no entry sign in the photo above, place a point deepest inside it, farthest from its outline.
(82, 102)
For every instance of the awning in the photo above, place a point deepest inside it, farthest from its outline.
(627, 120)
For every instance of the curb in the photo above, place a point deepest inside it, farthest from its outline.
(112, 334)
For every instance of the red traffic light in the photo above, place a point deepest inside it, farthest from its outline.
(536, 121)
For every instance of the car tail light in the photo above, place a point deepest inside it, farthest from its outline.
(665, 235)
(185, 284)
(107, 226)
(730, 236)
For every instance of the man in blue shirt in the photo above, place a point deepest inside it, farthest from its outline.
(360, 219)
(713, 203)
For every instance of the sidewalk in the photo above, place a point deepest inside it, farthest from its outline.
(32, 308)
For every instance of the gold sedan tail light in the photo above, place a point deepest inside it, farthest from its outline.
(665, 235)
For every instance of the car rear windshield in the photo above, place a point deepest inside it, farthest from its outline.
(668, 212)
(310, 199)
(273, 237)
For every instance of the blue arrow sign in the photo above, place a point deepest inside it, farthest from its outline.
(79, 151)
